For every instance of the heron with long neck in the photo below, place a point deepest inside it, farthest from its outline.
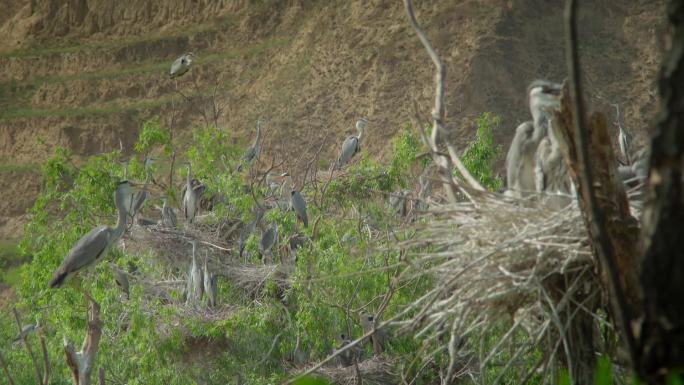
(253, 151)
(140, 197)
(351, 145)
(521, 158)
(93, 246)
(191, 197)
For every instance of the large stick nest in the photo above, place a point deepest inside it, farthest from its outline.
(375, 371)
(491, 259)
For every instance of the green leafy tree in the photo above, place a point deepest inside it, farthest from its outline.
(480, 155)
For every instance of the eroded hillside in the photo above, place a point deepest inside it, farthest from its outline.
(84, 74)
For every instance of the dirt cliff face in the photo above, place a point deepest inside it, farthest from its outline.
(84, 74)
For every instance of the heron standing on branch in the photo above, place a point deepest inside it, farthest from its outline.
(168, 215)
(93, 246)
(351, 145)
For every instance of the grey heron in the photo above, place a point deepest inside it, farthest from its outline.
(378, 337)
(350, 355)
(551, 172)
(196, 273)
(248, 229)
(521, 156)
(253, 151)
(181, 65)
(191, 196)
(299, 205)
(285, 191)
(25, 331)
(399, 202)
(425, 192)
(269, 238)
(168, 215)
(351, 145)
(210, 284)
(93, 246)
(121, 279)
(140, 197)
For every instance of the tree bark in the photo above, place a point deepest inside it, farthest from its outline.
(661, 334)
(81, 363)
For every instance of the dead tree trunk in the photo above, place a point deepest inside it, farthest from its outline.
(661, 337)
(81, 363)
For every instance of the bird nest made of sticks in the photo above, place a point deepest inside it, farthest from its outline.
(375, 370)
(493, 258)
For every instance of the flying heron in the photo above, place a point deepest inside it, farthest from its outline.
(121, 279)
(253, 151)
(181, 65)
(299, 205)
(93, 246)
(351, 145)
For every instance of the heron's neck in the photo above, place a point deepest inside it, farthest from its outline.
(189, 179)
(360, 132)
(258, 137)
(121, 220)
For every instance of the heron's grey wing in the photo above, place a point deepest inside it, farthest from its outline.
(176, 66)
(87, 250)
(300, 207)
(349, 148)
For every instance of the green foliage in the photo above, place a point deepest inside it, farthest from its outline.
(366, 178)
(151, 135)
(480, 155)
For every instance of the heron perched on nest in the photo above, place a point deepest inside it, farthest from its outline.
(181, 65)
(169, 218)
(351, 145)
(521, 158)
(191, 196)
(210, 283)
(93, 246)
(378, 337)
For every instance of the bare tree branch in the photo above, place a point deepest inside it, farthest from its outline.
(81, 363)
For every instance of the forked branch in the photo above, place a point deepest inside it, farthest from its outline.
(81, 363)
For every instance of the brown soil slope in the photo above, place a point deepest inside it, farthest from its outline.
(84, 74)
